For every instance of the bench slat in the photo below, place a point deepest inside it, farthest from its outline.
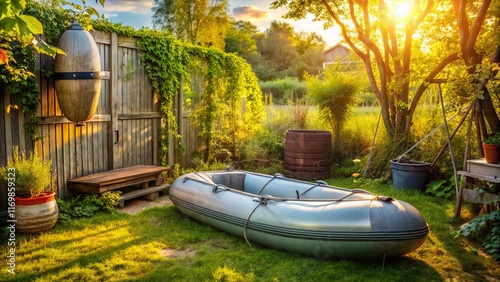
(141, 192)
(120, 175)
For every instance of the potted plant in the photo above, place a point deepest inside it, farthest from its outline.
(491, 148)
(27, 179)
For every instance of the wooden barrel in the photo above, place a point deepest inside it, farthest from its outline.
(77, 75)
(308, 153)
(38, 214)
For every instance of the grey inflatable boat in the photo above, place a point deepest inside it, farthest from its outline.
(312, 219)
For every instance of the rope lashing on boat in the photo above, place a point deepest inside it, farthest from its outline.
(318, 183)
(277, 175)
(263, 200)
(376, 197)
(219, 188)
(216, 188)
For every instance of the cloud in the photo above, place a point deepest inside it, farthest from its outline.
(108, 15)
(249, 13)
(132, 6)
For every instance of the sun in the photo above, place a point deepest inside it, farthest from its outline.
(404, 8)
(401, 9)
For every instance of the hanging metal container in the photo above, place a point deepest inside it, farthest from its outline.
(77, 75)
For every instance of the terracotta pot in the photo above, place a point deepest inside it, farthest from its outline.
(491, 153)
(37, 214)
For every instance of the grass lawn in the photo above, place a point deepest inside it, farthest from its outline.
(159, 244)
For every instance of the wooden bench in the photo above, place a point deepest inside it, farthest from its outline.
(146, 178)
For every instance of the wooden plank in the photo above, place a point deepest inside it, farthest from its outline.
(139, 115)
(113, 148)
(479, 197)
(117, 175)
(63, 119)
(61, 181)
(493, 179)
(90, 189)
(127, 42)
(101, 36)
(480, 166)
(152, 192)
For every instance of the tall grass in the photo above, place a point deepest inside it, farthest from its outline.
(284, 90)
(358, 136)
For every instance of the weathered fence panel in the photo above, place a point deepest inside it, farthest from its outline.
(123, 131)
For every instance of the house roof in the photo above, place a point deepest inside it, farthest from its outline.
(338, 45)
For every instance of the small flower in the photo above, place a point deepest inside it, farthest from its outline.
(355, 175)
(356, 161)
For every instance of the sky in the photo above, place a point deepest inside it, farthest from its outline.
(137, 13)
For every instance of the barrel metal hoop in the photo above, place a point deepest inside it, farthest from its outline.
(77, 75)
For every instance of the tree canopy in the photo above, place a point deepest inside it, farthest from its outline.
(393, 39)
(201, 22)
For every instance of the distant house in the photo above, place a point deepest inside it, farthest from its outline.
(335, 54)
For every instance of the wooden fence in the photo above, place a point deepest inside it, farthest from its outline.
(123, 131)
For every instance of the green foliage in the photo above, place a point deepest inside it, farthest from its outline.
(486, 227)
(31, 174)
(218, 111)
(444, 188)
(198, 22)
(20, 27)
(284, 90)
(88, 205)
(493, 139)
(335, 94)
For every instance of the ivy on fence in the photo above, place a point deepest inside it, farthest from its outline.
(230, 108)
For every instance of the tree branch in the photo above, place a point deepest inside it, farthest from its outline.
(476, 27)
(425, 84)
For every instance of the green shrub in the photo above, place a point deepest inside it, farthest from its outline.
(444, 188)
(485, 227)
(88, 205)
(493, 139)
(284, 90)
(31, 174)
(335, 95)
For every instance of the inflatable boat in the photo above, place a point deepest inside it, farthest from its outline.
(313, 219)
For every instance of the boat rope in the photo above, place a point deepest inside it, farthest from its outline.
(277, 175)
(219, 188)
(262, 202)
(216, 188)
(318, 183)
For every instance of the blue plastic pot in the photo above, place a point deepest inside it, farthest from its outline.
(409, 174)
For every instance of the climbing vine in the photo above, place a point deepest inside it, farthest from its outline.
(166, 63)
(229, 109)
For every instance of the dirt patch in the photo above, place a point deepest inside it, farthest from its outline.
(177, 254)
(135, 206)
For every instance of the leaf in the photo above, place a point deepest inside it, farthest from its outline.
(17, 5)
(43, 48)
(92, 11)
(102, 2)
(34, 26)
